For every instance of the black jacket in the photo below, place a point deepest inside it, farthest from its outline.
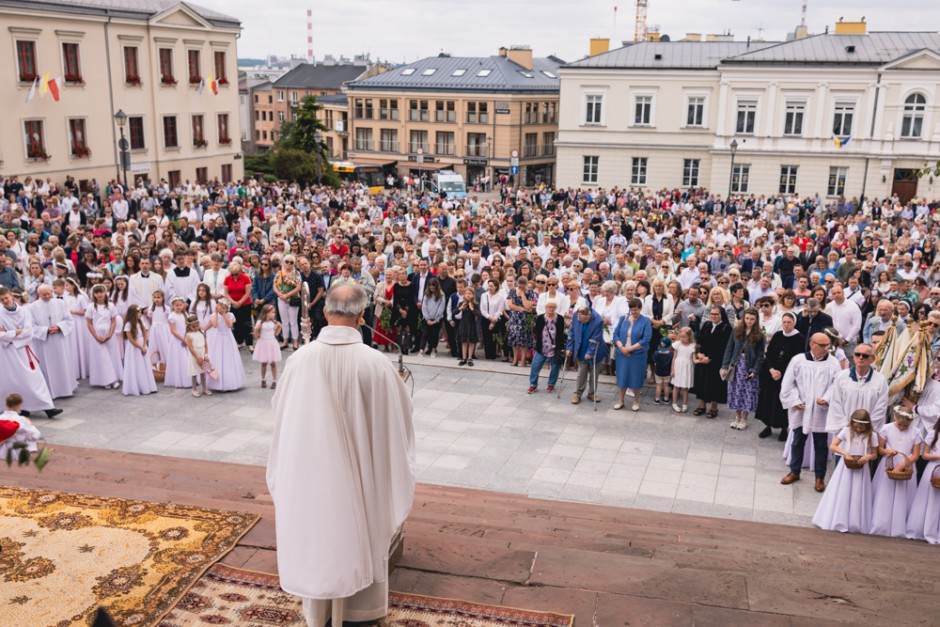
(820, 322)
(560, 338)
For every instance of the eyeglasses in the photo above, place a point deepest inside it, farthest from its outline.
(864, 355)
(826, 345)
(766, 306)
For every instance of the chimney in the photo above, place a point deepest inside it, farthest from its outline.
(503, 50)
(802, 32)
(693, 37)
(521, 55)
(599, 45)
(851, 28)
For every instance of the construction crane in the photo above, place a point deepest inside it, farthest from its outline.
(639, 30)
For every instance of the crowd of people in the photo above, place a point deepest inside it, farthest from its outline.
(771, 305)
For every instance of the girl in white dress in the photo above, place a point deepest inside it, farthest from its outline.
(105, 366)
(177, 357)
(202, 306)
(138, 373)
(223, 350)
(77, 304)
(159, 329)
(683, 369)
(846, 504)
(892, 499)
(267, 350)
(923, 522)
(198, 350)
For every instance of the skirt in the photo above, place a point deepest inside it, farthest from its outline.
(742, 392)
(267, 351)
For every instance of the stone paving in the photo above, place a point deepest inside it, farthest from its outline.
(477, 427)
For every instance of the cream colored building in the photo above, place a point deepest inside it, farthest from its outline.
(480, 116)
(146, 58)
(849, 112)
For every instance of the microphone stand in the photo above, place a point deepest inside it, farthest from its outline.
(403, 371)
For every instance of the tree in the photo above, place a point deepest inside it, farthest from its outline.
(300, 132)
(292, 164)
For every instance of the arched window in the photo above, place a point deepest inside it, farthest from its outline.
(913, 122)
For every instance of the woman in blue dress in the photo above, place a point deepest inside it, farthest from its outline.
(631, 340)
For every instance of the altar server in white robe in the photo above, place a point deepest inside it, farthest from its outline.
(343, 475)
(143, 284)
(806, 391)
(26, 433)
(927, 409)
(52, 325)
(19, 366)
(182, 279)
(858, 387)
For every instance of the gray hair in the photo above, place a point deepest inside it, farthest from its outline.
(346, 300)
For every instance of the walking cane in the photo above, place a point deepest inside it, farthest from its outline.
(564, 367)
(594, 370)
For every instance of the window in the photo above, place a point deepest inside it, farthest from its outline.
(531, 146)
(549, 74)
(788, 179)
(740, 174)
(837, 178)
(690, 170)
(359, 110)
(293, 98)
(199, 135)
(484, 73)
(590, 169)
(192, 61)
(280, 116)
(202, 175)
(793, 120)
(131, 65)
(429, 72)
(638, 172)
(445, 111)
(643, 110)
(170, 139)
(388, 109)
(219, 62)
(913, 121)
(408, 71)
(26, 58)
(548, 144)
(419, 139)
(476, 144)
(549, 110)
(175, 178)
(444, 143)
(418, 111)
(695, 116)
(747, 113)
(593, 111)
(842, 120)
(135, 127)
(78, 140)
(526, 74)
(224, 137)
(477, 113)
(70, 62)
(363, 139)
(226, 172)
(459, 72)
(280, 95)
(35, 140)
(531, 113)
(166, 66)
(389, 139)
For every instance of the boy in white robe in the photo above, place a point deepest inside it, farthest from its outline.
(342, 477)
(19, 368)
(26, 432)
(806, 391)
(52, 324)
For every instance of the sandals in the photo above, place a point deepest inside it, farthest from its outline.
(699, 411)
(713, 413)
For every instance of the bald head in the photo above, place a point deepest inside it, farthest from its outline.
(345, 304)
(819, 345)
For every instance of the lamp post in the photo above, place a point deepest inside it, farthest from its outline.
(121, 119)
(734, 149)
(318, 137)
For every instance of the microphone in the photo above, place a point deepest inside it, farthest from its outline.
(403, 370)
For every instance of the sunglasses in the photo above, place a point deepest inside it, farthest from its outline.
(864, 355)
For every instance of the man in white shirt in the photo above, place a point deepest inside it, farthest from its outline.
(846, 318)
(119, 207)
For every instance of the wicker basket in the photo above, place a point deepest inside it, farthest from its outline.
(898, 475)
(159, 372)
(852, 462)
(935, 478)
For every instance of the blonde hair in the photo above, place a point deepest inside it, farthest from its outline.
(686, 331)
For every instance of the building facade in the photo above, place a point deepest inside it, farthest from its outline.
(847, 113)
(153, 62)
(480, 116)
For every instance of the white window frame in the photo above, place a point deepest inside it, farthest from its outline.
(600, 121)
(688, 106)
(916, 111)
(748, 105)
(841, 174)
(691, 172)
(841, 107)
(648, 101)
(590, 170)
(740, 178)
(639, 170)
(788, 185)
(74, 37)
(26, 34)
(796, 106)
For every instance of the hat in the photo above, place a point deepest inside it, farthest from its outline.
(665, 343)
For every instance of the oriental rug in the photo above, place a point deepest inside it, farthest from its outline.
(62, 555)
(231, 596)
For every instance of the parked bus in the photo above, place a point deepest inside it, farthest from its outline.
(373, 176)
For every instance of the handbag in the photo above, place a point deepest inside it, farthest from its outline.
(729, 376)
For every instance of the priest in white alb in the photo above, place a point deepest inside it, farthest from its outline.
(806, 392)
(341, 469)
(858, 387)
(52, 324)
(19, 366)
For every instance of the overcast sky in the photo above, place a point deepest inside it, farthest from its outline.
(405, 30)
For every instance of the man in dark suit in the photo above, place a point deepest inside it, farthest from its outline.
(419, 281)
(812, 320)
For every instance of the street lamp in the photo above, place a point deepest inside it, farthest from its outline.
(318, 138)
(121, 119)
(734, 149)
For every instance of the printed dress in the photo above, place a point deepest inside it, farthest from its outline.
(743, 392)
(519, 336)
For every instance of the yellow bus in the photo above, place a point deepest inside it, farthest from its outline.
(373, 176)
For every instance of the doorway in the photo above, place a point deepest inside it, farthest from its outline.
(905, 184)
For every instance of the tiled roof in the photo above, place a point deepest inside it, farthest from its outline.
(445, 73)
(142, 9)
(310, 76)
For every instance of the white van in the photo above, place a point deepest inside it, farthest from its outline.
(449, 182)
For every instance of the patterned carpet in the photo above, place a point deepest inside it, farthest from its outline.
(62, 555)
(230, 596)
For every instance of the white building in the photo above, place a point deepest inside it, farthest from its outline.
(664, 114)
(151, 59)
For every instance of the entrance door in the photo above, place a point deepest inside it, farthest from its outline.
(905, 184)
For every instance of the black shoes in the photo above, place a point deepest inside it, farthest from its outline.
(766, 433)
(55, 411)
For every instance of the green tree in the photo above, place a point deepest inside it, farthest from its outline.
(292, 164)
(300, 132)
